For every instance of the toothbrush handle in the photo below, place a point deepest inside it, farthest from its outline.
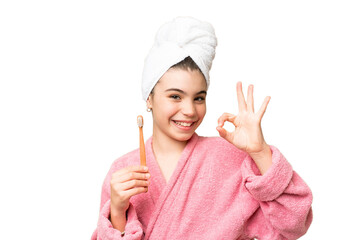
(142, 149)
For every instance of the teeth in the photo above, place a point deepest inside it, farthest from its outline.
(183, 124)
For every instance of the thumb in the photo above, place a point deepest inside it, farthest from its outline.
(223, 133)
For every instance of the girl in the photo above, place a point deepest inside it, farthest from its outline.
(231, 187)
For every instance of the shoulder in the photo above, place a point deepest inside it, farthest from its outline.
(219, 155)
(218, 140)
(219, 146)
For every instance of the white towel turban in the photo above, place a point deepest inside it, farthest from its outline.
(174, 41)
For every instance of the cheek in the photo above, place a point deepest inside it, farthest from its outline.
(201, 110)
(166, 109)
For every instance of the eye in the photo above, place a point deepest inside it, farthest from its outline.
(175, 97)
(199, 99)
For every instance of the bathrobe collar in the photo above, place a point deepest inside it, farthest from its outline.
(160, 189)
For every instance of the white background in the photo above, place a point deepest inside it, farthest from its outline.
(70, 76)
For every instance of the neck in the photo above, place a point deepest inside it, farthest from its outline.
(165, 146)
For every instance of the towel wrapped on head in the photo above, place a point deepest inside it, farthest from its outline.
(183, 37)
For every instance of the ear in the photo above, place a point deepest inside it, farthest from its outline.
(149, 102)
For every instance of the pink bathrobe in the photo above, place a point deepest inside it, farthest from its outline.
(215, 192)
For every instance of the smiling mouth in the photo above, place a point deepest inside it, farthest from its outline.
(184, 124)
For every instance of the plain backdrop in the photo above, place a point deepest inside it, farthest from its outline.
(70, 76)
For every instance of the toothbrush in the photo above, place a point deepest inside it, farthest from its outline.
(140, 122)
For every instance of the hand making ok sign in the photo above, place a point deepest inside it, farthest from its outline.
(247, 135)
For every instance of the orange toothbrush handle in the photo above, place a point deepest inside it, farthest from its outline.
(142, 148)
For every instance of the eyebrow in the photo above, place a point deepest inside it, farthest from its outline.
(181, 91)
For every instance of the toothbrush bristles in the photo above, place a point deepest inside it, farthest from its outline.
(140, 121)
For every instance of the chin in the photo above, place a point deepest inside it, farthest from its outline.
(184, 138)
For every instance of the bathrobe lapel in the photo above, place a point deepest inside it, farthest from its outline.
(160, 190)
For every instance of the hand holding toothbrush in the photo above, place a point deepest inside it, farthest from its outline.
(128, 182)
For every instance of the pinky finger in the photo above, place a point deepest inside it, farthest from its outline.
(263, 107)
(135, 191)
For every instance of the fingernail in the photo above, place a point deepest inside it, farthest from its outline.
(146, 168)
(147, 175)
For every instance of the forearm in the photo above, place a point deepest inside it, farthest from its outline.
(118, 220)
(285, 199)
(263, 159)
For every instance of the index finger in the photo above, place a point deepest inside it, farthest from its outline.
(226, 117)
(240, 97)
(136, 168)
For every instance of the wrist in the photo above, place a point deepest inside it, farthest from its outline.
(115, 212)
(262, 158)
(263, 152)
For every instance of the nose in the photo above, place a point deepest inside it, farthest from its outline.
(188, 108)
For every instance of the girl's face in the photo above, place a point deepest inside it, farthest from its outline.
(178, 104)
